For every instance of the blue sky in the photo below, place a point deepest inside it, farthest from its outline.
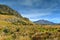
(36, 9)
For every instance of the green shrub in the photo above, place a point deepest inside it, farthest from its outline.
(6, 30)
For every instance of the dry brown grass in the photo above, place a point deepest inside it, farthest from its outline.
(27, 31)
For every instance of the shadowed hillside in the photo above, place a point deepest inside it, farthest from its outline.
(6, 10)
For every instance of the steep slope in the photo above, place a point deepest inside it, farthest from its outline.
(43, 22)
(6, 11)
(12, 23)
(12, 27)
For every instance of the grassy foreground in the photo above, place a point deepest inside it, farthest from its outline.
(13, 28)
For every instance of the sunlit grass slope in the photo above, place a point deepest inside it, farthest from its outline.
(16, 28)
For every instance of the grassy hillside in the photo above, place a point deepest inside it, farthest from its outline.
(14, 27)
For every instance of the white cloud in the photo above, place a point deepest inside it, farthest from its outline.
(35, 14)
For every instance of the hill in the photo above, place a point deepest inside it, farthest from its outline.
(12, 23)
(11, 15)
(43, 22)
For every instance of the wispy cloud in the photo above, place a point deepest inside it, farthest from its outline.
(35, 14)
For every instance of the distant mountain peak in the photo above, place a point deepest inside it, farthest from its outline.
(43, 22)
